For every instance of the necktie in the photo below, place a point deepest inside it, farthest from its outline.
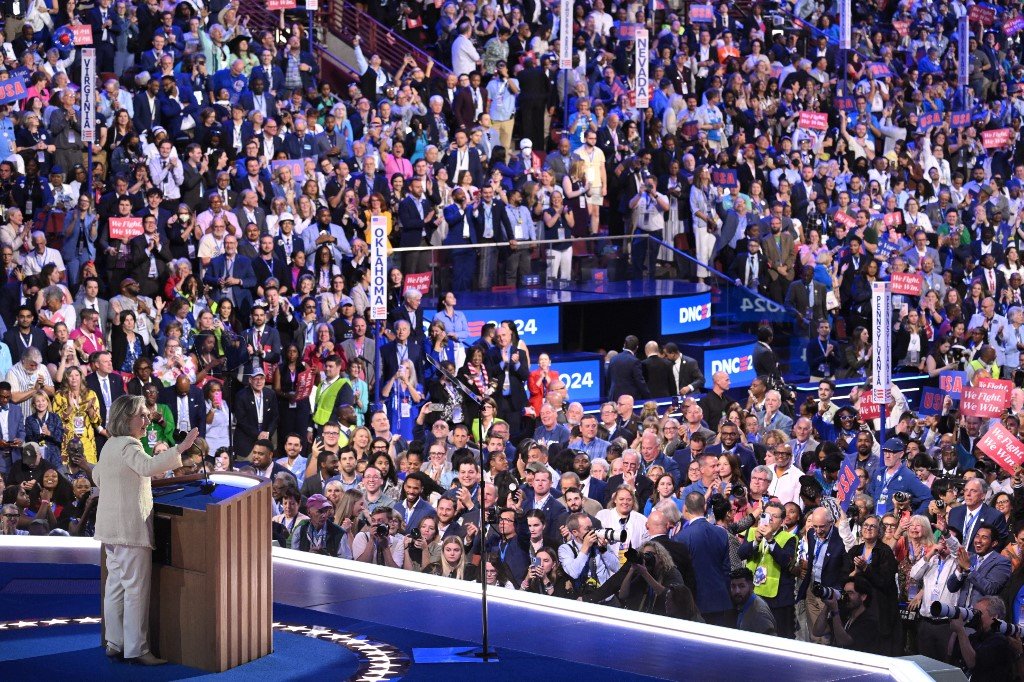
(183, 421)
(105, 389)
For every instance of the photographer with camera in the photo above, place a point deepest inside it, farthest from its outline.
(986, 654)
(503, 540)
(769, 552)
(823, 565)
(376, 544)
(648, 208)
(897, 478)
(855, 625)
(586, 557)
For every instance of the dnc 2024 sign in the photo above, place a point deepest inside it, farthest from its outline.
(737, 362)
(685, 314)
(537, 325)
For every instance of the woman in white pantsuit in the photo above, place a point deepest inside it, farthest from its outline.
(124, 524)
(705, 221)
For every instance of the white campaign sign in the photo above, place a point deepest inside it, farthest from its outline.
(881, 339)
(565, 34)
(378, 268)
(88, 94)
(845, 27)
(643, 60)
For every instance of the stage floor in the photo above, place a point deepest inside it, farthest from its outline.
(412, 617)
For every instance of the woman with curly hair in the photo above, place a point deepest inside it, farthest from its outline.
(78, 408)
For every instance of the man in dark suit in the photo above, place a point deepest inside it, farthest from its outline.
(973, 513)
(150, 258)
(270, 263)
(766, 363)
(256, 98)
(416, 216)
(327, 469)
(230, 274)
(492, 225)
(729, 443)
(824, 563)
(187, 405)
(631, 476)
(709, 548)
(252, 179)
(658, 525)
(822, 357)
(261, 457)
(460, 233)
(687, 376)
(625, 372)
(410, 311)
(146, 104)
(370, 181)
(108, 388)
(101, 18)
(463, 158)
(658, 372)
(544, 498)
(511, 372)
(193, 187)
(25, 334)
(591, 487)
(535, 96)
(255, 414)
(404, 347)
(808, 297)
(805, 192)
(262, 341)
(735, 222)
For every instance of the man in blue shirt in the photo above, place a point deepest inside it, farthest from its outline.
(549, 430)
(894, 478)
(588, 441)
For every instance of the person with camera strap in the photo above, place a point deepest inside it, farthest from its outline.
(933, 570)
(586, 556)
(854, 626)
(769, 551)
(378, 545)
(986, 653)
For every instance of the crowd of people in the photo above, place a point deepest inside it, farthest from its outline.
(213, 260)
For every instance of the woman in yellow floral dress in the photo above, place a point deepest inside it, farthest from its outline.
(79, 410)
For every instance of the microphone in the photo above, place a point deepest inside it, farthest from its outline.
(206, 486)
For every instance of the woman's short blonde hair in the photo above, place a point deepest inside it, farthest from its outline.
(121, 412)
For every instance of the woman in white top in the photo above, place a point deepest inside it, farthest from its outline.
(914, 219)
(621, 514)
(124, 524)
(705, 220)
(218, 417)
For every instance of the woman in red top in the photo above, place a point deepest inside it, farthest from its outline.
(539, 380)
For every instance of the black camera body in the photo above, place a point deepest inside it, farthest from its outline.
(382, 530)
(901, 497)
(414, 534)
(825, 593)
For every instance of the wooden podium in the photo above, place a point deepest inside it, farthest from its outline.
(212, 597)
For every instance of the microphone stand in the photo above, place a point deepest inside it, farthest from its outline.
(485, 653)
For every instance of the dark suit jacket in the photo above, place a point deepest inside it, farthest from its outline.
(518, 374)
(598, 490)
(242, 182)
(681, 558)
(242, 270)
(987, 515)
(797, 297)
(247, 426)
(555, 514)
(625, 375)
(709, 548)
(832, 569)
(14, 342)
(473, 166)
(196, 407)
(389, 358)
(116, 391)
(658, 374)
(500, 225)
(140, 259)
(277, 269)
(644, 487)
(192, 184)
(144, 118)
(413, 227)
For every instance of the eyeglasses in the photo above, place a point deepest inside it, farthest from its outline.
(10, 516)
(888, 525)
(332, 433)
(873, 526)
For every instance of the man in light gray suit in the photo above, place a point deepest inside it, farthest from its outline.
(88, 299)
(734, 226)
(558, 162)
(803, 442)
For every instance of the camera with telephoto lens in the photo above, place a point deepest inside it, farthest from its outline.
(901, 497)
(413, 534)
(825, 593)
(738, 491)
(940, 504)
(1008, 629)
(382, 530)
(610, 534)
(940, 610)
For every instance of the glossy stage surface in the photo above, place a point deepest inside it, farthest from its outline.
(534, 635)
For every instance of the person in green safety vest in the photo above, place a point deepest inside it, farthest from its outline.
(769, 552)
(330, 395)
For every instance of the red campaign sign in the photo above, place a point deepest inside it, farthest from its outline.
(907, 283)
(813, 120)
(304, 384)
(892, 219)
(986, 15)
(1013, 26)
(420, 281)
(1001, 447)
(994, 139)
(982, 402)
(869, 409)
(1002, 385)
(844, 219)
(702, 14)
(82, 34)
(125, 228)
(280, 4)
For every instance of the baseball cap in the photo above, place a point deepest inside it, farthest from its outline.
(286, 216)
(536, 467)
(318, 502)
(526, 143)
(894, 445)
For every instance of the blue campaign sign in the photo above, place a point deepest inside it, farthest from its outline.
(931, 400)
(537, 325)
(12, 89)
(737, 362)
(847, 483)
(684, 314)
(952, 383)
(582, 378)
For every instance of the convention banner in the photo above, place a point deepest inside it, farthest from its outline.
(881, 340)
(565, 34)
(642, 65)
(125, 228)
(1001, 447)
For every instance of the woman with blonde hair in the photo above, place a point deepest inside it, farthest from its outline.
(575, 188)
(452, 563)
(124, 524)
(78, 407)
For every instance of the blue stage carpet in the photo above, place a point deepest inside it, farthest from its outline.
(35, 593)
